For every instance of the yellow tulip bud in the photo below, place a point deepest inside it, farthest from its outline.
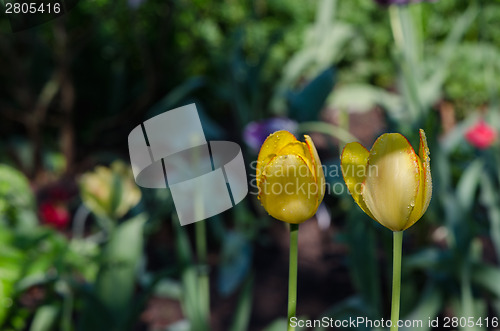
(391, 183)
(110, 192)
(290, 177)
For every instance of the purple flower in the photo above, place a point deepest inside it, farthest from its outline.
(399, 2)
(256, 132)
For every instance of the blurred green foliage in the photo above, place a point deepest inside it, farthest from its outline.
(86, 79)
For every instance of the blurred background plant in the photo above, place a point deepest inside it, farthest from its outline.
(83, 248)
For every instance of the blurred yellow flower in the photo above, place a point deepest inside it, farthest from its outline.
(391, 183)
(110, 192)
(290, 177)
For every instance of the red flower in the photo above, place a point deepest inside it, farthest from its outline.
(55, 215)
(481, 135)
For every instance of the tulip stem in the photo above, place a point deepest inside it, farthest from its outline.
(203, 278)
(292, 274)
(396, 279)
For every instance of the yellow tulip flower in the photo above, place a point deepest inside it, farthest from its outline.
(110, 191)
(391, 183)
(290, 177)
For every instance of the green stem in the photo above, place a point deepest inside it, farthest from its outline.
(67, 309)
(203, 278)
(201, 250)
(292, 275)
(465, 285)
(396, 279)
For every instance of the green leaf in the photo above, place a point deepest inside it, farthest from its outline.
(458, 30)
(489, 198)
(17, 202)
(363, 264)
(241, 317)
(455, 137)
(11, 262)
(191, 299)
(95, 315)
(478, 307)
(329, 129)
(362, 98)
(14, 186)
(236, 258)
(427, 258)
(350, 308)
(307, 104)
(468, 183)
(429, 306)
(45, 318)
(430, 90)
(168, 288)
(182, 325)
(28, 281)
(116, 279)
(324, 44)
(486, 276)
(281, 324)
(183, 247)
(278, 325)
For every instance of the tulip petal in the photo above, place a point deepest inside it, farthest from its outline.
(418, 209)
(425, 184)
(287, 189)
(300, 149)
(390, 190)
(353, 162)
(270, 148)
(426, 163)
(317, 168)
